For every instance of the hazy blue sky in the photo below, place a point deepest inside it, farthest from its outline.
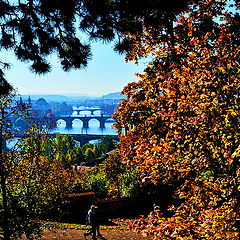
(107, 72)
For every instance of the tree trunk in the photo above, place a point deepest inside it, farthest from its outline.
(5, 226)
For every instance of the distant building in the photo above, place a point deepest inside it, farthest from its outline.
(41, 107)
(39, 111)
(29, 102)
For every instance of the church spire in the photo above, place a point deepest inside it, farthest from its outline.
(29, 101)
(20, 101)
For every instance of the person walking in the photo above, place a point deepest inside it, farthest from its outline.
(93, 220)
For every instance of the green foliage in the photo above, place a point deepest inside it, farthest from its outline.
(70, 157)
(86, 146)
(65, 149)
(62, 147)
(33, 184)
(22, 215)
(64, 142)
(79, 155)
(47, 146)
(96, 181)
(91, 151)
(106, 144)
(130, 185)
(89, 154)
(31, 178)
(111, 179)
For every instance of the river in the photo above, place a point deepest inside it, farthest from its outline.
(77, 126)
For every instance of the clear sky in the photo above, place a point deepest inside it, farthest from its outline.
(107, 72)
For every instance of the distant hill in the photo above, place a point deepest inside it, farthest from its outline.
(70, 98)
(35, 97)
(55, 98)
(116, 95)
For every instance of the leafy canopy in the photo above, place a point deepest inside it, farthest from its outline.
(34, 29)
(181, 120)
(29, 181)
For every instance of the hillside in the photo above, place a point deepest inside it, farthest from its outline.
(116, 95)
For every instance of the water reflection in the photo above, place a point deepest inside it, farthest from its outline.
(77, 128)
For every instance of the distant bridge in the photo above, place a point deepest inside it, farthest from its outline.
(92, 110)
(85, 120)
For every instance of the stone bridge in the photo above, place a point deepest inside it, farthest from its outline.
(85, 120)
(92, 110)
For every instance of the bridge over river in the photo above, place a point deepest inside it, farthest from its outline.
(92, 110)
(85, 120)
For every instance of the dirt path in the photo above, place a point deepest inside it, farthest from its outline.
(113, 234)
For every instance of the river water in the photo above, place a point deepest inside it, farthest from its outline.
(77, 126)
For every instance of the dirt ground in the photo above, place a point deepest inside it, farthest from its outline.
(113, 234)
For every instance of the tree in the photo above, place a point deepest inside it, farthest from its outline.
(79, 155)
(86, 146)
(30, 182)
(33, 186)
(64, 145)
(106, 144)
(8, 108)
(35, 29)
(89, 154)
(181, 120)
(113, 168)
(5, 105)
(120, 180)
(110, 179)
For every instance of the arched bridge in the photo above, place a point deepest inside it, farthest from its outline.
(85, 120)
(92, 110)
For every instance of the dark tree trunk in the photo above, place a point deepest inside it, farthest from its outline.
(5, 226)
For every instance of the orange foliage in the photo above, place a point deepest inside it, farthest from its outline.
(43, 177)
(181, 121)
